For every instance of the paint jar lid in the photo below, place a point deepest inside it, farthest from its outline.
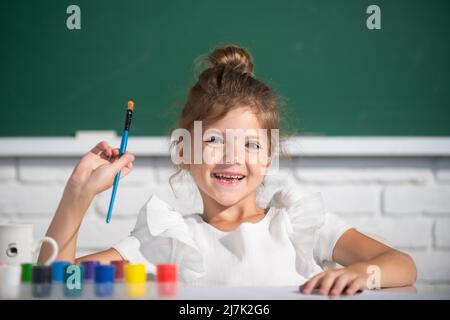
(41, 274)
(76, 270)
(104, 273)
(89, 269)
(166, 273)
(135, 273)
(26, 272)
(58, 270)
(120, 268)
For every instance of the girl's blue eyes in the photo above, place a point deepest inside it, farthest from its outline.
(253, 145)
(217, 140)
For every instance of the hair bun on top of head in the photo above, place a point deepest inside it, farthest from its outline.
(233, 57)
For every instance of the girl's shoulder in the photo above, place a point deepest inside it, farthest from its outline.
(159, 217)
(298, 202)
(162, 211)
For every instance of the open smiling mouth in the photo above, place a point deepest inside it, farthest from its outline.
(224, 178)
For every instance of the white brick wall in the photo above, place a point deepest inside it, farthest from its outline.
(405, 200)
(7, 169)
(429, 199)
(443, 170)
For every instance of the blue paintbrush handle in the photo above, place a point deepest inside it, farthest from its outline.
(123, 147)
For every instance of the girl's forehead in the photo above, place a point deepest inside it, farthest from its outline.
(238, 118)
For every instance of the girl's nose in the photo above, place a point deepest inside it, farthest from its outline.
(234, 153)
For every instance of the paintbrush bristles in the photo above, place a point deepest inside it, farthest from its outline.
(130, 105)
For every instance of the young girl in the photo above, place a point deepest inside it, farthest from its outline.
(234, 241)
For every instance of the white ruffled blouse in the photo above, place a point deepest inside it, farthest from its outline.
(292, 242)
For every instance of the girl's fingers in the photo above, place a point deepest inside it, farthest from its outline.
(109, 152)
(309, 286)
(115, 153)
(102, 151)
(327, 283)
(106, 154)
(340, 283)
(354, 286)
(334, 282)
(99, 148)
(122, 162)
(126, 170)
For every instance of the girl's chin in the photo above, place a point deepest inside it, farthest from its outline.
(227, 198)
(227, 202)
(228, 194)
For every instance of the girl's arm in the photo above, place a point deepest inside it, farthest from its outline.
(104, 257)
(93, 174)
(362, 258)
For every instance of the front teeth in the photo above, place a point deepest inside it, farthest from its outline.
(220, 175)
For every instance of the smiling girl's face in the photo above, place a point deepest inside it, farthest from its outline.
(232, 169)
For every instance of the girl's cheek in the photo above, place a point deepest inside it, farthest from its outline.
(264, 158)
(253, 158)
(257, 173)
(262, 172)
(259, 159)
(195, 171)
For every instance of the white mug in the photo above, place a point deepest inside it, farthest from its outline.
(17, 244)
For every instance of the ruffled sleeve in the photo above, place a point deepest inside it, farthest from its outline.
(313, 231)
(306, 216)
(161, 235)
(330, 232)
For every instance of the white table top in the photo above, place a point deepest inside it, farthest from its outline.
(292, 293)
(418, 292)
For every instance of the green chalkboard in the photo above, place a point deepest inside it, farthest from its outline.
(339, 77)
